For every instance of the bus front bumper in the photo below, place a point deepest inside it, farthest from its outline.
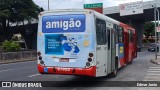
(67, 71)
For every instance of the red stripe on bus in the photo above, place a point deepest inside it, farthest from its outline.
(122, 62)
(72, 71)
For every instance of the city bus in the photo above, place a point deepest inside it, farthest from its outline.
(83, 42)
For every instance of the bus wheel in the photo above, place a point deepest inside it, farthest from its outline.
(114, 73)
(131, 59)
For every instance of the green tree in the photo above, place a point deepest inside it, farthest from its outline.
(10, 46)
(16, 11)
(149, 29)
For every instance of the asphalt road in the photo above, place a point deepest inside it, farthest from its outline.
(140, 70)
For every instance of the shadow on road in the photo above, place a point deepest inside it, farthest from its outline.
(85, 81)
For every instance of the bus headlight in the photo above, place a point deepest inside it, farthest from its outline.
(39, 53)
(89, 59)
(87, 64)
(41, 62)
(40, 58)
(90, 54)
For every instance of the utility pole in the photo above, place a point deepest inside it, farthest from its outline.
(155, 19)
(158, 33)
(155, 29)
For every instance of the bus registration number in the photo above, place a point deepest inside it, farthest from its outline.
(63, 69)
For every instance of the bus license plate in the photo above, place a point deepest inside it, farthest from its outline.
(64, 60)
(63, 69)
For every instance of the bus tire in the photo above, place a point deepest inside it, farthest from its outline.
(131, 59)
(114, 73)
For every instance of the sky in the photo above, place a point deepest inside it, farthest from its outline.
(67, 4)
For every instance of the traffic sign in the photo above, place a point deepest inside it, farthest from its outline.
(95, 5)
(131, 8)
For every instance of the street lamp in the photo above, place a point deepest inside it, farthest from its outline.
(48, 5)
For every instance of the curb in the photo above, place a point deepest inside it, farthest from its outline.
(15, 61)
(154, 62)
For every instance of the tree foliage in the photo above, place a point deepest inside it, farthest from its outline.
(10, 46)
(16, 11)
(149, 29)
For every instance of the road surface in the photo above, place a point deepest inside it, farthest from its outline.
(140, 70)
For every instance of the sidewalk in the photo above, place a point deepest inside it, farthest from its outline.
(156, 61)
(17, 60)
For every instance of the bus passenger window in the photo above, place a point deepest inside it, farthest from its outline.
(131, 36)
(120, 34)
(101, 32)
(108, 32)
(116, 32)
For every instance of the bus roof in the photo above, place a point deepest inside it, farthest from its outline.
(97, 14)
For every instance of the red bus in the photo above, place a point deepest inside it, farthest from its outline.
(83, 42)
(130, 44)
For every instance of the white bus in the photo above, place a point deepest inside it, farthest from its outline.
(79, 42)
